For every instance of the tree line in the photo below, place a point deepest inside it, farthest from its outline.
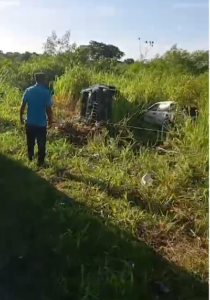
(59, 53)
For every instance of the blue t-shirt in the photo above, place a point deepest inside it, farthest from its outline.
(37, 98)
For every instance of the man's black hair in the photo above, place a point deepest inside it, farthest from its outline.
(40, 77)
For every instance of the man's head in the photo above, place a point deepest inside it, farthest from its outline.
(40, 78)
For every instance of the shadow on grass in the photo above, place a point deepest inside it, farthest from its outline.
(52, 247)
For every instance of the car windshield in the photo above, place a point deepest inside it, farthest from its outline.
(164, 107)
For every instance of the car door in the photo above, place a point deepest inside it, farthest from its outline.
(150, 115)
(173, 111)
(162, 113)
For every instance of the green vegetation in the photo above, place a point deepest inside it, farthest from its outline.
(85, 226)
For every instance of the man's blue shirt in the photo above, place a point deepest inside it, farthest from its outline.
(37, 98)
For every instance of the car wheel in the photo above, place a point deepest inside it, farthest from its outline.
(168, 125)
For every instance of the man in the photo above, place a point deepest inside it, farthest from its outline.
(39, 104)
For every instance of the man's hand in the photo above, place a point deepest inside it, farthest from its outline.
(22, 121)
(49, 123)
(22, 109)
(49, 115)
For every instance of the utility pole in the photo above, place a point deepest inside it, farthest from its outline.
(150, 44)
(139, 49)
(147, 44)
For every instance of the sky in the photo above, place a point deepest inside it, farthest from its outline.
(26, 24)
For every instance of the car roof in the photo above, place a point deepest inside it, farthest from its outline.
(99, 86)
(166, 102)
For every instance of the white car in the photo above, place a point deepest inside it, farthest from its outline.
(160, 113)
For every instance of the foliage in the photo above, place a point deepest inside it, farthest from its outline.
(60, 54)
(55, 45)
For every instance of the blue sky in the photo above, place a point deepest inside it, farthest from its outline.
(25, 24)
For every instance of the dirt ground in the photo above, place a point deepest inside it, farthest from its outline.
(76, 133)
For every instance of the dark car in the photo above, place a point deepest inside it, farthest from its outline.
(96, 103)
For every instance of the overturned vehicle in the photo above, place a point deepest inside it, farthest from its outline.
(96, 103)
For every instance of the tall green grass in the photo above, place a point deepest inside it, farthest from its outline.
(139, 89)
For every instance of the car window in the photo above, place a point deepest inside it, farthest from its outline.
(173, 107)
(154, 107)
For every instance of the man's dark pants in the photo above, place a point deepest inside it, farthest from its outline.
(36, 133)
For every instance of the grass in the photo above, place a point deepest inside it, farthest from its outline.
(85, 226)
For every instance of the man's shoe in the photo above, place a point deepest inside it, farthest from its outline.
(40, 164)
(30, 157)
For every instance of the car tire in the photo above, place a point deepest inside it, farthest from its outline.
(167, 125)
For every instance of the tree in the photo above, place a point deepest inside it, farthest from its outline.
(55, 45)
(195, 62)
(101, 50)
(26, 56)
(96, 51)
(200, 60)
(82, 54)
(129, 61)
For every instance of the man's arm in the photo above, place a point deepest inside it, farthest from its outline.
(49, 115)
(23, 106)
(49, 111)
